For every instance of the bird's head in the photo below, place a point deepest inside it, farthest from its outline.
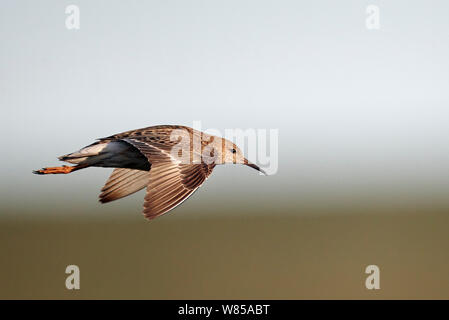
(229, 153)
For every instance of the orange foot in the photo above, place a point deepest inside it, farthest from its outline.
(57, 170)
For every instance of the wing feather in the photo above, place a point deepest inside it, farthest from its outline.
(170, 182)
(122, 183)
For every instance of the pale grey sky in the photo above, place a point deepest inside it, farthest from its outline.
(357, 110)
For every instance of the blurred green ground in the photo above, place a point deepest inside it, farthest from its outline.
(248, 257)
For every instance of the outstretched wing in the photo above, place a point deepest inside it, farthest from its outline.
(122, 183)
(170, 182)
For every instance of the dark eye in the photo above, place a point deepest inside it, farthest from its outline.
(234, 151)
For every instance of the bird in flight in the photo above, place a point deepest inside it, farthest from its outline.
(170, 161)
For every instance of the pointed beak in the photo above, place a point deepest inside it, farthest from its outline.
(254, 166)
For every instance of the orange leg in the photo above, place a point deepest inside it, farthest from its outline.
(57, 170)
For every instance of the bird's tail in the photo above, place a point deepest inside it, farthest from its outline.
(83, 158)
(115, 154)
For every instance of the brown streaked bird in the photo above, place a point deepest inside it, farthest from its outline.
(170, 161)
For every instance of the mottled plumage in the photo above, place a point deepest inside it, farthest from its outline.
(147, 158)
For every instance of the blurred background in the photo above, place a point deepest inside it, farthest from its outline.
(363, 124)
